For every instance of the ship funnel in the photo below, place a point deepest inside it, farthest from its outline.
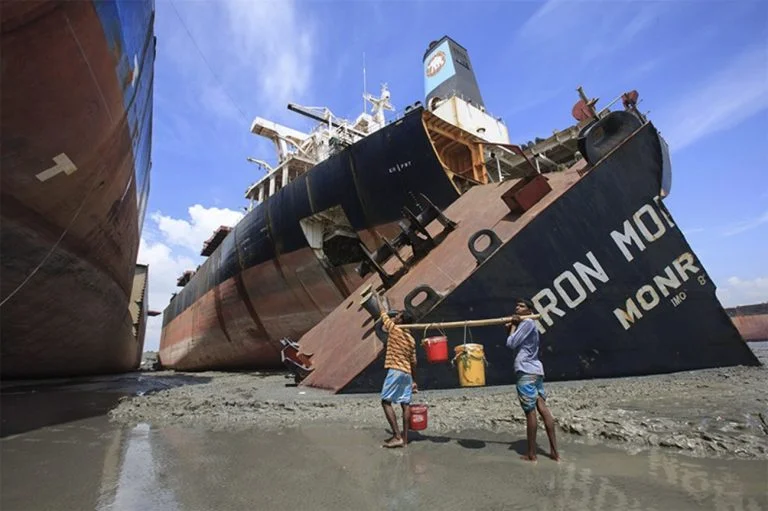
(448, 72)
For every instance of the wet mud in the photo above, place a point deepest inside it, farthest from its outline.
(717, 413)
(97, 464)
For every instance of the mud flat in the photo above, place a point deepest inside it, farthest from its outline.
(322, 467)
(719, 413)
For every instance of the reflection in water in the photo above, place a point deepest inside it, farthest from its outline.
(401, 489)
(721, 488)
(140, 481)
(31, 404)
(717, 488)
(93, 464)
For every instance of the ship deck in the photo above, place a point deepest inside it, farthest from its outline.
(344, 343)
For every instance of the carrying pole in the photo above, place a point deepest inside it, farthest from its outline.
(462, 324)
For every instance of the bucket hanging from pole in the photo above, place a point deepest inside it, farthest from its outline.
(436, 349)
(470, 362)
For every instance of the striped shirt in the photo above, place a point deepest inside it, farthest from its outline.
(401, 348)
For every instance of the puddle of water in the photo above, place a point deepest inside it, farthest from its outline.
(94, 464)
(29, 405)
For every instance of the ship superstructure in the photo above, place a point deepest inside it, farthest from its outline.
(399, 207)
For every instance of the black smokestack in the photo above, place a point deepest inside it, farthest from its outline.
(448, 72)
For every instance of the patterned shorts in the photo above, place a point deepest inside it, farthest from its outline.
(397, 387)
(529, 388)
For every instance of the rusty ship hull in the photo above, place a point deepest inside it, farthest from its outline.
(751, 321)
(394, 211)
(76, 138)
(619, 289)
(264, 282)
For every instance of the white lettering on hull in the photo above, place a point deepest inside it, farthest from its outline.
(574, 285)
(648, 295)
(573, 293)
(63, 164)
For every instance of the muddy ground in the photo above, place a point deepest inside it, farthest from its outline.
(720, 413)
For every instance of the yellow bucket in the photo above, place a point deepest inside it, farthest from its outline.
(470, 361)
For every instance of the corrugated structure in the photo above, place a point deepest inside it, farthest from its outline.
(77, 81)
(138, 305)
(751, 321)
(619, 289)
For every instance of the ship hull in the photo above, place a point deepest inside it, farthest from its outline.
(264, 282)
(619, 290)
(76, 134)
(751, 321)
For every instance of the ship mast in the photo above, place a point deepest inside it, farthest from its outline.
(297, 152)
(379, 105)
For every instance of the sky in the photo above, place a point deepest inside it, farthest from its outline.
(701, 68)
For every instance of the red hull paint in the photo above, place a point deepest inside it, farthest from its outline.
(752, 328)
(238, 324)
(751, 321)
(61, 95)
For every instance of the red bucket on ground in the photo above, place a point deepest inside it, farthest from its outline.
(436, 348)
(418, 420)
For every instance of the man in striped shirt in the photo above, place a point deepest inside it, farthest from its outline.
(399, 384)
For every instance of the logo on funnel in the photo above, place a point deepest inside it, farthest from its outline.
(436, 63)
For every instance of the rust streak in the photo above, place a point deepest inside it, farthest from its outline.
(243, 292)
(240, 286)
(219, 312)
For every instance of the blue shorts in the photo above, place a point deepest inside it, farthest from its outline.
(529, 388)
(397, 387)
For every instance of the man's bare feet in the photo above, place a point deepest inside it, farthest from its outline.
(528, 458)
(395, 442)
(555, 456)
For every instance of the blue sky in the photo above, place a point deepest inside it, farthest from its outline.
(701, 68)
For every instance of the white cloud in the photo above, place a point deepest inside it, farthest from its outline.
(261, 50)
(727, 98)
(164, 268)
(746, 225)
(643, 16)
(171, 247)
(603, 28)
(199, 227)
(277, 39)
(606, 33)
(743, 292)
(535, 27)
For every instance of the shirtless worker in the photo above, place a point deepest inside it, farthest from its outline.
(399, 384)
(529, 374)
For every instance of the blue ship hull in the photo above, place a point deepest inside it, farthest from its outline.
(76, 157)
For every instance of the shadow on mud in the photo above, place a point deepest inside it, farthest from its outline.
(519, 446)
(29, 405)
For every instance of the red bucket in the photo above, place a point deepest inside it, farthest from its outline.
(418, 417)
(436, 348)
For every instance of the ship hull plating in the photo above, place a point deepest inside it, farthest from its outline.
(619, 289)
(76, 117)
(264, 282)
